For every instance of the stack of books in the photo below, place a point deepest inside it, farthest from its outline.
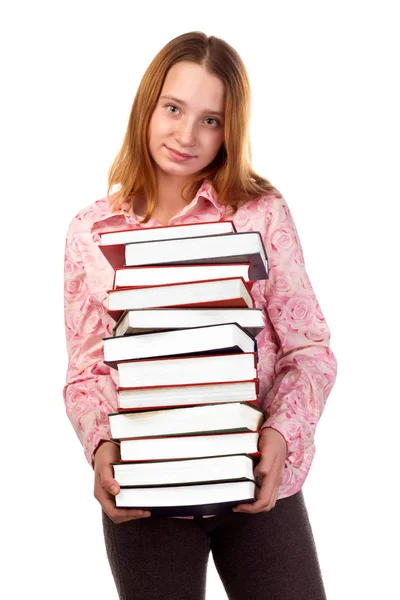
(184, 345)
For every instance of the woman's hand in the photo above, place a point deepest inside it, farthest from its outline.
(106, 487)
(273, 448)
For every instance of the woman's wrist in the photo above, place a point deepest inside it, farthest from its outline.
(101, 444)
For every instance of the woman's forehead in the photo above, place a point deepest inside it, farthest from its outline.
(190, 83)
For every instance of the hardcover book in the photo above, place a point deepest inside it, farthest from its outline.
(167, 232)
(184, 470)
(189, 499)
(189, 394)
(189, 446)
(188, 369)
(224, 293)
(208, 339)
(229, 416)
(158, 319)
(223, 248)
(163, 275)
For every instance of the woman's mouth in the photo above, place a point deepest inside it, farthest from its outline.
(178, 156)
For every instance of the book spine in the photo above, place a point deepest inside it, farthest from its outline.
(137, 409)
(194, 510)
(155, 387)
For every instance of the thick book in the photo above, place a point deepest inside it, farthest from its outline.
(227, 338)
(184, 470)
(158, 319)
(167, 232)
(189, 499)
(223, 293)
(164, 274)
(189, 394)
(229, 416)
(189, 446)
(188, 369)
(238, 247)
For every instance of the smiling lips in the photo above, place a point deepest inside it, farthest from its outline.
(178, 155)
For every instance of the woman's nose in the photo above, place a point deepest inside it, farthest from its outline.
(186, 133)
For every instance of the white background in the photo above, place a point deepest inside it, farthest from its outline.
(325, 131)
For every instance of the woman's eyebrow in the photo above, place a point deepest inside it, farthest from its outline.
(208, 111)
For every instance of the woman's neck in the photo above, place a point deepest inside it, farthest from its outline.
(169, 201)
(169, 192)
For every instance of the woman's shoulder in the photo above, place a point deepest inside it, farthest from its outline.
(84, 220)
(267, 207)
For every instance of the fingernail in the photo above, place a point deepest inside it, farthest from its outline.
(114, 489)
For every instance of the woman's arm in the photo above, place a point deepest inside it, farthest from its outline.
(305, 369)
(90, 392)
(296, 367)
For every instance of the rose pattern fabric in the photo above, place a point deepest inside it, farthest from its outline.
(296, 367)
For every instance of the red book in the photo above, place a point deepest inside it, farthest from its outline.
(223, 338)
(182, 405)
(185, 470)
(166, 274)
(112, 244)
(213, 368)
(189, 446)
(226, 248)
(210, 498)
(227, 416)
(189, 394)
(233, 292)
(161, 319)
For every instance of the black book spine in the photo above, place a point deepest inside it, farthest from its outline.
(198, 510)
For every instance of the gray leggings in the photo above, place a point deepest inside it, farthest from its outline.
(264, 556)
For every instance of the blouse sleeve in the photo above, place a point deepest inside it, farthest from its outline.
(305, 369)
(90, 392)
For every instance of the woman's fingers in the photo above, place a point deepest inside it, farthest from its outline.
(107, 500)
(106, 487)
(269, 470)
(266, 496)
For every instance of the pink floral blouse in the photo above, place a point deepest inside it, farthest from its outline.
(296, 367)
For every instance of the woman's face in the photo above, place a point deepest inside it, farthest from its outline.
(189, 119)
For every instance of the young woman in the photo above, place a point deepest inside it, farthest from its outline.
(186, 158)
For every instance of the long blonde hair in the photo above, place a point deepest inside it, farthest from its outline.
(230, 173)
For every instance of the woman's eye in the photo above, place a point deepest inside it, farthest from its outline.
(215, 121)
(172, 106)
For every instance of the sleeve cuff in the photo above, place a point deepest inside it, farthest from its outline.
(94, 441)
(293, 434)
